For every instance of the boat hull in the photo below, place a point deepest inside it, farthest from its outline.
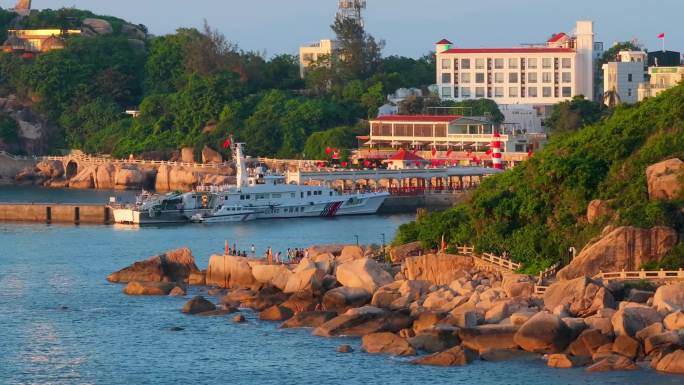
(140, 217)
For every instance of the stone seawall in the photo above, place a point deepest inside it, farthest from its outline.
(55, 213)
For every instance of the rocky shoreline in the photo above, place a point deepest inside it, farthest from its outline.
(440, 308)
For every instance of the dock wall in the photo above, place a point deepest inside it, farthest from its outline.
(55, 213)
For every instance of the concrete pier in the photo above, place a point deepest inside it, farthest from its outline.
(55, 213)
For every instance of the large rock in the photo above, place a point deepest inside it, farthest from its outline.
(387, 343)
(674, 321)
(456, 356)
(181, 179)
(276, 313)
(275, 275)
(309, 319)
(543, 333)
(436, 339)
(598, 209)
(105, 176)
(625, 247)
(631, 319)
(210, 155)
(363, 273)
(342, 299)
(485, 337)
(399, 253)
(565, 361)
(128, 179)
(187, 155)
(669, 298)
(99, 26)
(664, 179)
(302, 302)
(440, 269)
(172, 266)
(588, 342)
(362, 321)
(626, 346)
(230, 272)
(672, 363)
(517, 285)
(50, 168)
(148, 288)
(350, 253)
(309, 279)
(198, 305)
(84, 179)
(582, 296)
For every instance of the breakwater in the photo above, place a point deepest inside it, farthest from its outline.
(55, 213)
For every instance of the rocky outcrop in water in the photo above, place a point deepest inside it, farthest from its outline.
(172, 266)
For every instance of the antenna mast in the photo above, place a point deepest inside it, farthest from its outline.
(351, 9)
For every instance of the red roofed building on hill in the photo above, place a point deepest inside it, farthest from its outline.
(541, 74)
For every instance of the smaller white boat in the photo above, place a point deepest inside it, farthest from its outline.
(225, 214)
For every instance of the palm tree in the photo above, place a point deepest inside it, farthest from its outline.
(611, 98)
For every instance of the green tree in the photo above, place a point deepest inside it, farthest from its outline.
(573, 114)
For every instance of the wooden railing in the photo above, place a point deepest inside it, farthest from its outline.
(539, 289)
(643, 274)
(549, 272)
(488, 257)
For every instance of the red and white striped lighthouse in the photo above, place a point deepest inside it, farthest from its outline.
(497, 162)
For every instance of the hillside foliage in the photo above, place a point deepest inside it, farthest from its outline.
(537, 210)
(196, 87)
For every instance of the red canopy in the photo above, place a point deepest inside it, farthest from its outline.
(405, 155)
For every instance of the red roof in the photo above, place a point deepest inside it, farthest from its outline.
(418, 118)
(444, 41)
(405, 155)
(511, 50)
(555, 38)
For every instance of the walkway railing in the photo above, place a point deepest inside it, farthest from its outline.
(102, 160)
(491, 258)
(549, 272)
(643, 274)
(18, 157)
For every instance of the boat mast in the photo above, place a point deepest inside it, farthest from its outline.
(240, 165)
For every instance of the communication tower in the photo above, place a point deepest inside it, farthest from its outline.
(351, 9)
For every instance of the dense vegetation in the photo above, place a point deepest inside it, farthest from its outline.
(196, 88)
(537, 210)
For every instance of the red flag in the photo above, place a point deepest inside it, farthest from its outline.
(489, 152)
(343, 164)
(328, 150)
(366, 163)
(434, 150)
(336, 155)
(227, 143)
(661, 36)
(529, 152)
(449, 152)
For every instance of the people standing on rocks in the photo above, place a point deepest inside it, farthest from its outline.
(269, 255)
(253, 250)
(277, 257)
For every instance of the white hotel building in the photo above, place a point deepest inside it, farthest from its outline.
(538, 75)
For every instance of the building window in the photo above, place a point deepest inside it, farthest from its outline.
(446, 78)
(498, 92)
(498, 77)
(629, 77)
(512, 92)
(513, 63)
(479, 64)
(465, 77)
(546, 92)
(547, 62)
(479, 77)
(567, 77)
(446, 64)
(532, 92)
(567, 92)
(499, 63)
(479, 92)
(532, 62)
(446, 92)
(566, 62)
(465, 92)
(629, 92)
(465, 64)
(531, 77)
(512, 77)
(547, 77)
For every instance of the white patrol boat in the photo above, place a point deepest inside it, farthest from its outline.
(269, 196)
(159, 209)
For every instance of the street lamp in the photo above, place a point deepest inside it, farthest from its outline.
(383, 241)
